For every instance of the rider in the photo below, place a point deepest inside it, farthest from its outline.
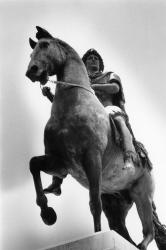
(108, 89)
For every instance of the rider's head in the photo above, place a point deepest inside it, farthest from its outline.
(93, 61)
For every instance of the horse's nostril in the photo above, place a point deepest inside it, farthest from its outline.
(34, 68)
(32, 71)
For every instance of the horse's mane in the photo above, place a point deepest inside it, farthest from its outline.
(70, 52)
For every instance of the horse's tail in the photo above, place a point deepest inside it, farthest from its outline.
(160, 230)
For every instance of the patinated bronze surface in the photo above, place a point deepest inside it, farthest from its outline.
(78, 141)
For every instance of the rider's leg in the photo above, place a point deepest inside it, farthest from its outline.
(119, 118)
(55, 186)
(130, 155)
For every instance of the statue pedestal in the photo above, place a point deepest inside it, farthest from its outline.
(99, 241)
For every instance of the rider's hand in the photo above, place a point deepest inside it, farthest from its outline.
(45, 91)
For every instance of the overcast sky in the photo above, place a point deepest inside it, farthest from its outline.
(131, 38)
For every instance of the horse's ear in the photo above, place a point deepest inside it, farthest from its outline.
(32, 43)
(42, 33)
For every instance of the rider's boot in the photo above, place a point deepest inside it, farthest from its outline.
(130, 159)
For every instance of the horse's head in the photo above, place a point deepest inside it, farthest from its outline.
(47, 57)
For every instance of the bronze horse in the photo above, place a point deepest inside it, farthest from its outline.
(79, 141)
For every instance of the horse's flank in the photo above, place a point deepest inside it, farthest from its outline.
(74, 70)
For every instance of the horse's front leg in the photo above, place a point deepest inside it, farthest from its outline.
(43, 163)
(93, 166)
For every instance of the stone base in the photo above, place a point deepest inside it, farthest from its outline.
(99, 241)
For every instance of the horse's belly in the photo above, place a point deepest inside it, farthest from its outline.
(115, 178)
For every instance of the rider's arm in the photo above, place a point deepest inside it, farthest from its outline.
(110, 88)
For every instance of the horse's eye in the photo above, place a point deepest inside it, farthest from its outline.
(44, 45)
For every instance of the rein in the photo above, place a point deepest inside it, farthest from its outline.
(73, 85)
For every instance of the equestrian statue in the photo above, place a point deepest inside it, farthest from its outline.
(80, 139)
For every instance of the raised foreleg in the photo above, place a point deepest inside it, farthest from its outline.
(47, 164)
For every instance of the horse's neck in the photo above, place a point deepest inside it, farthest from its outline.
(74, 70)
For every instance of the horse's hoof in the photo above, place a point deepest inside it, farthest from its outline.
(141, 247)
(56, 191)
(48, 216)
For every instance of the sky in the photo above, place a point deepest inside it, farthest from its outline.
(131, 38)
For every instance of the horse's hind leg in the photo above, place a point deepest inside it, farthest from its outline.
(92, 166)
(47, 164)
(142, 194)
(116, 207)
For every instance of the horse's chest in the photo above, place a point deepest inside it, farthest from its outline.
(69, 132)
(58, 139)
(67, 143)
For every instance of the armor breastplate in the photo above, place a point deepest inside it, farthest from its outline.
(102, 78)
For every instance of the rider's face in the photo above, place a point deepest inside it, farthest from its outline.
(92, 62)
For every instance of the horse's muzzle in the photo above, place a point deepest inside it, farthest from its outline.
(36, 74)
(32, 73)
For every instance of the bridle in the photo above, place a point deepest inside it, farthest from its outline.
(67, 84)
(72, 85)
